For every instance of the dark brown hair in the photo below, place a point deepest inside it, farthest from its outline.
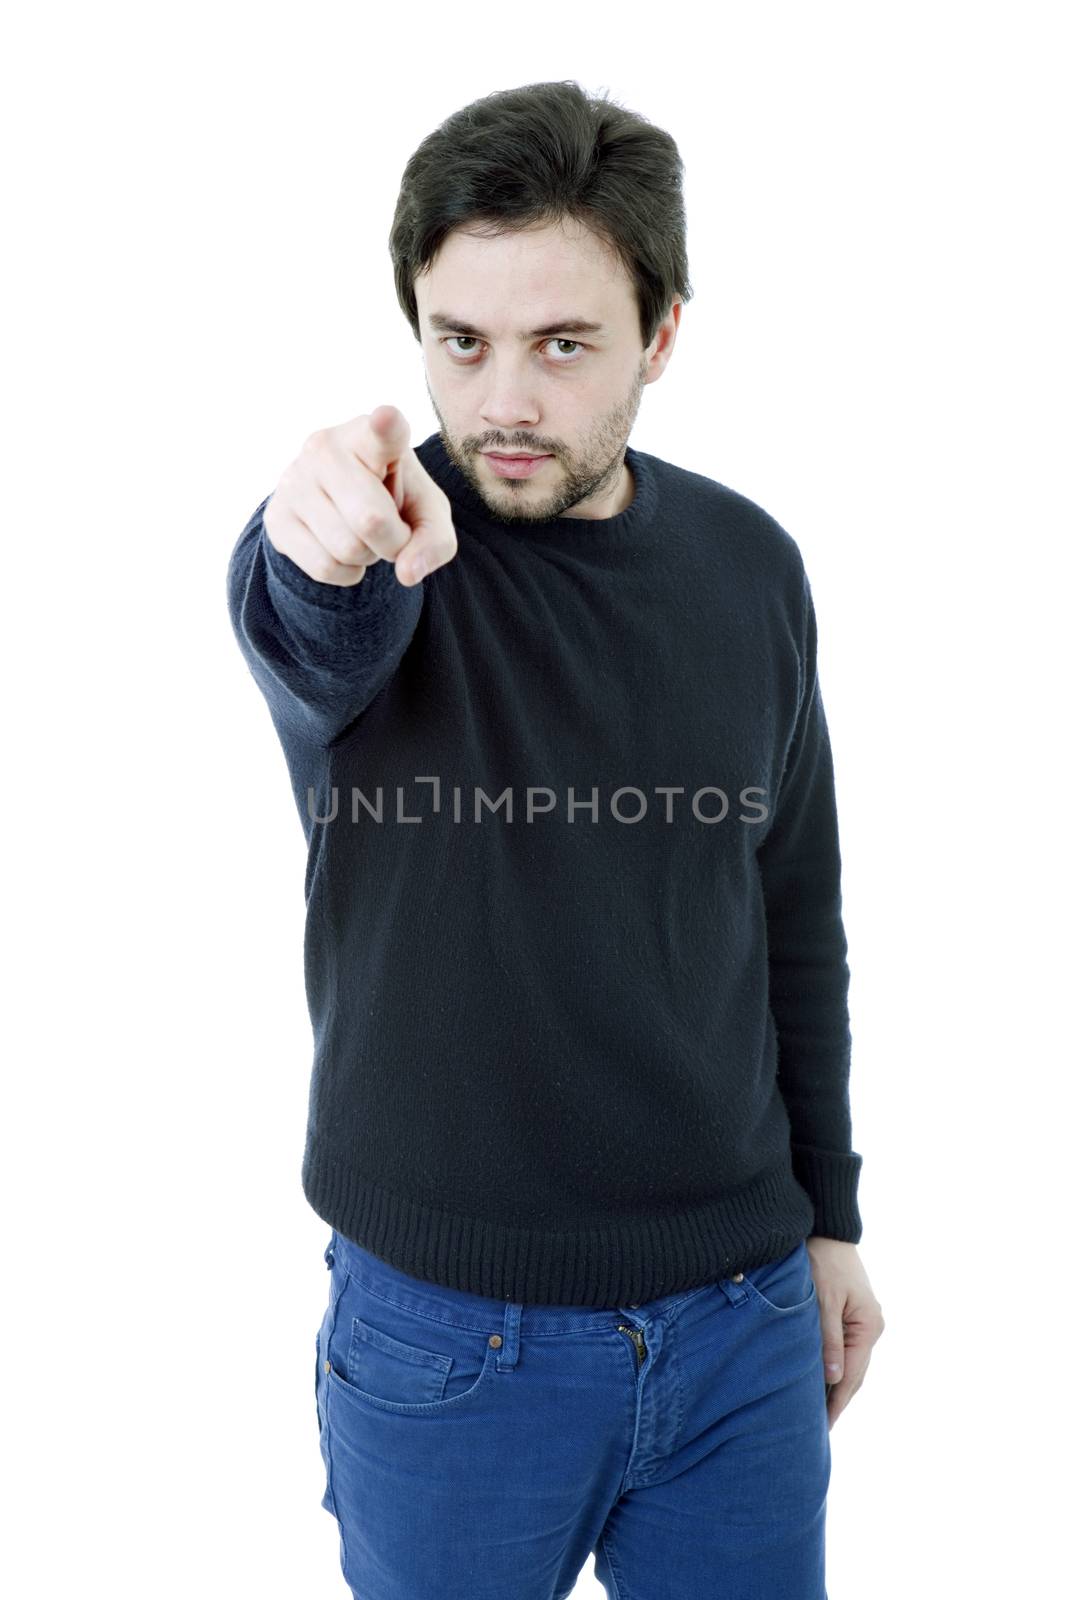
(537, 155)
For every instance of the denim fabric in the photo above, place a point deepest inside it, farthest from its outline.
(482, 1449)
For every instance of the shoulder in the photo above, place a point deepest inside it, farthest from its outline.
(734, 522)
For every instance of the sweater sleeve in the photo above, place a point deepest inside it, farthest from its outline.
(319, 652)
(800, 865)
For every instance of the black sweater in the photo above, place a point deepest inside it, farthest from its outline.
(566, 1054)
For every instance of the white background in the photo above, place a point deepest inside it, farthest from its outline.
(197, 203)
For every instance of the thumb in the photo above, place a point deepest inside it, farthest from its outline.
(427, 510)
(833, 1348)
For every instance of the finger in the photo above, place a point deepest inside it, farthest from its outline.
(835, 1404)
(378, 440)
(342, 503)
(292, 536)
(832, 1319)
(362, 511)
(428, 512)
(857, 1360)
(382, 440)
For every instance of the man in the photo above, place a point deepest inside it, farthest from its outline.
(574, 954)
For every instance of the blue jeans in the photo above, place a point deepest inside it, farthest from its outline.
(481, 1449)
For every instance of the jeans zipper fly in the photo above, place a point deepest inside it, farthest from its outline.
(638, 1341)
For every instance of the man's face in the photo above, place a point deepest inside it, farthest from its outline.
(498, 382)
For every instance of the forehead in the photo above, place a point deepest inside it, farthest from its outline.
(525, 281)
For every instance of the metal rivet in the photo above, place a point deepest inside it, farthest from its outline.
(495, 1341)
(327, 1366)
(737, 1277)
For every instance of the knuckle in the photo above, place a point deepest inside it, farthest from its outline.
(322, 568)
(371, 523)
(287, 488)
(443, 549)
(316, 444)
(353, 553)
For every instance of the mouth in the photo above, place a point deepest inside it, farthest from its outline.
(514, 466)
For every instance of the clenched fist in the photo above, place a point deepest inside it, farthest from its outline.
(357, 494)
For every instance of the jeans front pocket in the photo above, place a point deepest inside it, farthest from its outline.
(784, 1287)
(384, 1354)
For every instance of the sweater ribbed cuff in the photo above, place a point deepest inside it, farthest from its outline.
(830, 1178)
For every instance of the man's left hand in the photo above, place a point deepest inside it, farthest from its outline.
(851, 1318)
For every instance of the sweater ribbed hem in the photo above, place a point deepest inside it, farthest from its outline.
(622, 1262)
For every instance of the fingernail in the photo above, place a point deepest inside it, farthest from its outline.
(832, 1369)
(418, 569)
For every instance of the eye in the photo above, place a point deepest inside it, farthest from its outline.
(572, 342)
(462, 336)
(468, 338)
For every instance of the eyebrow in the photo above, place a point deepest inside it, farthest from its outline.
(441, 322)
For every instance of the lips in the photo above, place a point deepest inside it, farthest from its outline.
(515, 466)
